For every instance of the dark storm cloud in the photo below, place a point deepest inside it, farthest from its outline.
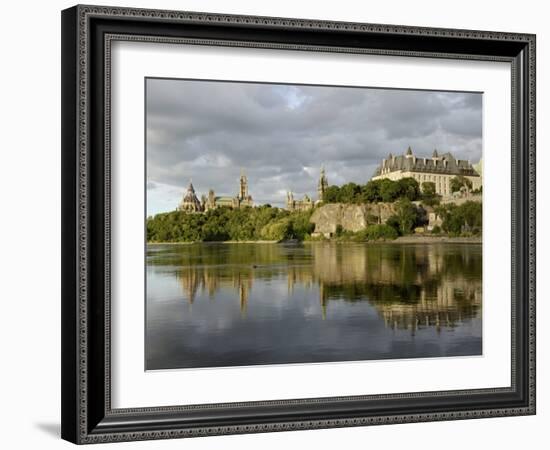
(281, 134)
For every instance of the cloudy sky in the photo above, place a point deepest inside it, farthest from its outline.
(280, 135)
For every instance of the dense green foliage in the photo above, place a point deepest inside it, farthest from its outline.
(370, 233)
(461, 219)
(376, 232)
(275, 224)
(225, 224)
(429, 195)
(459, 182)
(374, 191)
(407, 216)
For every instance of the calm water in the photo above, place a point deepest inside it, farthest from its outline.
(241, 304)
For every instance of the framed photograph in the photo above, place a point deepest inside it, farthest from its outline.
(278, 224)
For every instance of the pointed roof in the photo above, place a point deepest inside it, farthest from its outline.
(409, 151)
(435, 155)
(191, 188)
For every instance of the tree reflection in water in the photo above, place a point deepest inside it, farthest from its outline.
(411, 287)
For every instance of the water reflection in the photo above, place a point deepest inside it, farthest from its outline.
(357, 301)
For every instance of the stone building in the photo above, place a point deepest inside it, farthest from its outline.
(307, 203)
(439, 169)
(298, 205)
(242, 199)
(190, 202)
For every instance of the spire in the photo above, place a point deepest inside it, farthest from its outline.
(191, 188)
(243, 186)
(435, 155)
(409, 151)
(390, 156)
(322, 185)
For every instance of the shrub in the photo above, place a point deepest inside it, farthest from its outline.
(463, 218)
(376, 232)
(436, 229)
(393, 222)
(459, 182)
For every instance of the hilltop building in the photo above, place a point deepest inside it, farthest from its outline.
(242, 199)
(190, 202)
(479, 169)
(439, 169)
(298, 205)
(307, 203)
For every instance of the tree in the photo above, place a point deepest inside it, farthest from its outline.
(428, 188)
(406, 214)
(393, 222)
(349, 193)
(370, 192)
(459, 182)
(472, 214)
(332, 194)
(464, 218)
(429, 195)
(301, 226)
(409, 188)
(389, 190)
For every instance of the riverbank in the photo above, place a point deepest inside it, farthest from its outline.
(419, 239)
(410, 239)
(212, 242)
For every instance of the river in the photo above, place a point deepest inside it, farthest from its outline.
(221, 304)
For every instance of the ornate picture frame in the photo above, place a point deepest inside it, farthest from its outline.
(87, 35)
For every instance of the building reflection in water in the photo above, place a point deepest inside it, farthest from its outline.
(210, 280)
(410, 286)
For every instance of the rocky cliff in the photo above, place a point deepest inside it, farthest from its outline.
(350, 217)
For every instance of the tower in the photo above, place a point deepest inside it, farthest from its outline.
(243, 187)
(210, 200)
(322, 185)
(289, 201)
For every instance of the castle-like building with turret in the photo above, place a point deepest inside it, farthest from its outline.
(191, 203)
(439, 169)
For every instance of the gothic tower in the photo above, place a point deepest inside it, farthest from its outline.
(289, 201)
(243, 187)
(322, 185)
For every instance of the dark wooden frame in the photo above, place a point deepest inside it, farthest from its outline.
(87, 32)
